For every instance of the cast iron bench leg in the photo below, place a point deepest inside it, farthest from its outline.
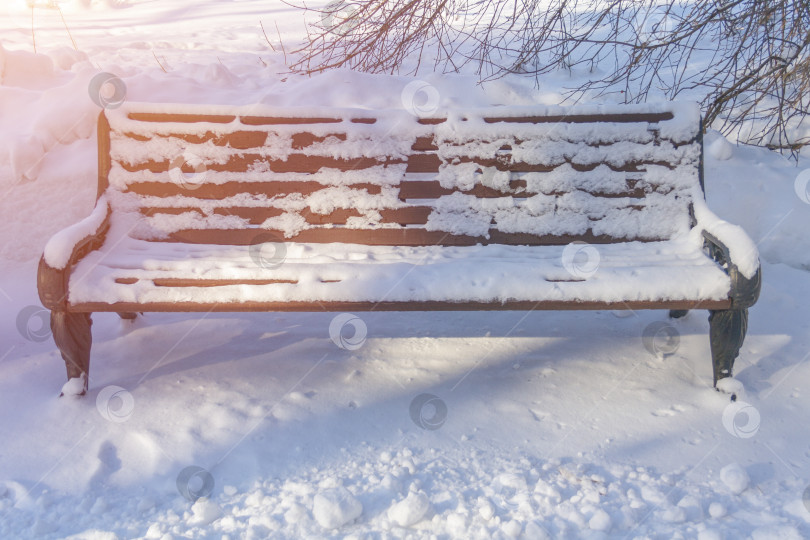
(677, 313)
(727, 330)
(71, 333)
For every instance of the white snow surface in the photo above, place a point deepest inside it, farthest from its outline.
(735, 478)
(335, 507)
(553, 425)
(59, 249)
(634, 271)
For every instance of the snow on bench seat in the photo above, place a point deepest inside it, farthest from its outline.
(140, 272)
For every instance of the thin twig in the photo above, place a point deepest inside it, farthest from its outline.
(265, 36)
(158, 61)
(33, 35)
(66, 27)
(281, 43)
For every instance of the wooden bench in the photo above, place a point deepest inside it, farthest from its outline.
(207, 208)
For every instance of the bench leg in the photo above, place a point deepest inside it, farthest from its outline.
(128, 315)
(677, 313)
(71, 333)
(727, 330)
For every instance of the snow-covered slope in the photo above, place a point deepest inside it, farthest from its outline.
(458, 425)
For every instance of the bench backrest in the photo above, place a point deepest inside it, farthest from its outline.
(534, 176)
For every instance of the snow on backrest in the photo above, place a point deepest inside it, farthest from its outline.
(534, 175)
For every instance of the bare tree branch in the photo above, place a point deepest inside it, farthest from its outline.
(752, 71)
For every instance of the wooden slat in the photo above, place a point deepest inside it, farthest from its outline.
(411, 215)
(412, 236)
(430, 163)
(240, 140)
(183, 282)
(103, 154)
(424, 144)
(171, 210)
(509, 305)
(510, 143)
(257, 216)
(416, 163)
(423, 163)
(299, 163)
(281, 120)
(432, 189)
(303, 140)
(229, 189)
(583, 118)
(568, 118)
(183, 118)
(408, 190)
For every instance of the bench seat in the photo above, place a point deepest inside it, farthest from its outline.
(136, 274)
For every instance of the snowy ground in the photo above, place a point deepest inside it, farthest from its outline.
(543, 424)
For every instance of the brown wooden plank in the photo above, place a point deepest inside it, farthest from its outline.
(384, 237)
(411, 236)
(299, 163)
(432, 189)
(302, 140)
(281, 120)
(144, 138)
(184, 282)
(228, 189)
(172, 210)
(408, 190)
(423, 163)
(240, 140)
(409, 215)
(583, 118)
(568, 118)
(183, 118)
(416, 163)
(424, 144)
(509, 305)
(103, 154)
(430, 163)
(258, 215)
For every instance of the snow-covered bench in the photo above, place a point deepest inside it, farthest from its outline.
(205, 208)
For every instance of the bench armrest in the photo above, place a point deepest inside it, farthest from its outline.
(65, 249)
(734, 251)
